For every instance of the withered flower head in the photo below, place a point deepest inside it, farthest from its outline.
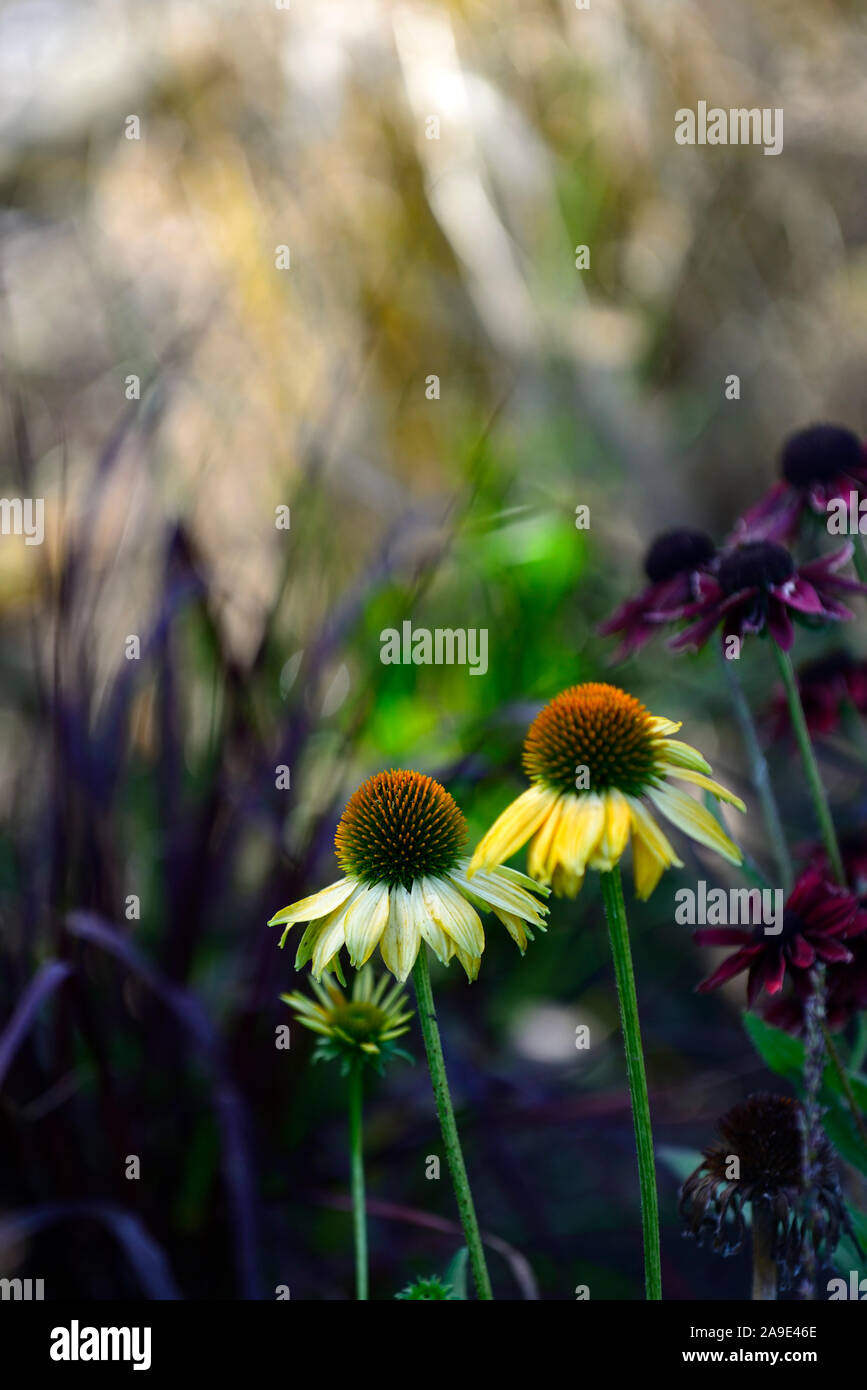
(764, 1135)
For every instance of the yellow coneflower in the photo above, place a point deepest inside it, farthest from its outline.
(596, 757)
(400, 843)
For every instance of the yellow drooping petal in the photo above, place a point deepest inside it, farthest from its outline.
(439, 941)
(505, 871)
(695, 820)
(646, 828)
(491, 888)
(658, 724)
(677, 754)
(615, 835)
(470, 963)
(647, 868)
(365, 922)
(317, 905)
(401, 940)
(715, 788)
(455, 915)
(514, 926)
(539, 858)
(582, 824)
(329, 940)
(313, 933)
(513, 828)
(565, 883)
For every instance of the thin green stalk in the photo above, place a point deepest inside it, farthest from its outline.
(618, 930)
(859, 556)
(356, 1153)
(811, 769)
(761, 779)
(445, 1110)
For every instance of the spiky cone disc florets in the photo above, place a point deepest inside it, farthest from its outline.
(596, 757)
(400, 843)
(759, 1158)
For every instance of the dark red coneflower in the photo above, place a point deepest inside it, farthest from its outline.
(819, 920)
(845, 994)
(828, 686)
(819, 465)
(671, 565)
(758, 589)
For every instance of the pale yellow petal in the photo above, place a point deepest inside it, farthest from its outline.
(455, 915)
(677, 754)
(658, 724)
(365, 922)
(470, 963)
(539, 860)
(694, 820)
(439, 941)
(493, 889)
(315, 931)
(715, 788)
(329, 940)
(644, 826)
(647, 868)
(400, 942)
(522, 880)
(582, 824)
(317, 905)
(565, 883)
(513, 828)
(615, 836)
(514, 926)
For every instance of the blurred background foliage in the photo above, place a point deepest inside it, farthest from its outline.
(260, 388)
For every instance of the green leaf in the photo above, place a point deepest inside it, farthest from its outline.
(778, 1049)
(682, 1162)
(456, 1274)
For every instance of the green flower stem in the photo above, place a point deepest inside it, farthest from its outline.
(445, 1110)
(859, 557)
(356, 1151)
(618, 930)
(761, 778)
(808, 758)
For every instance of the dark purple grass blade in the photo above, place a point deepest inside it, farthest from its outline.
(228, 1105)
(49, 978)
(144, 1255)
